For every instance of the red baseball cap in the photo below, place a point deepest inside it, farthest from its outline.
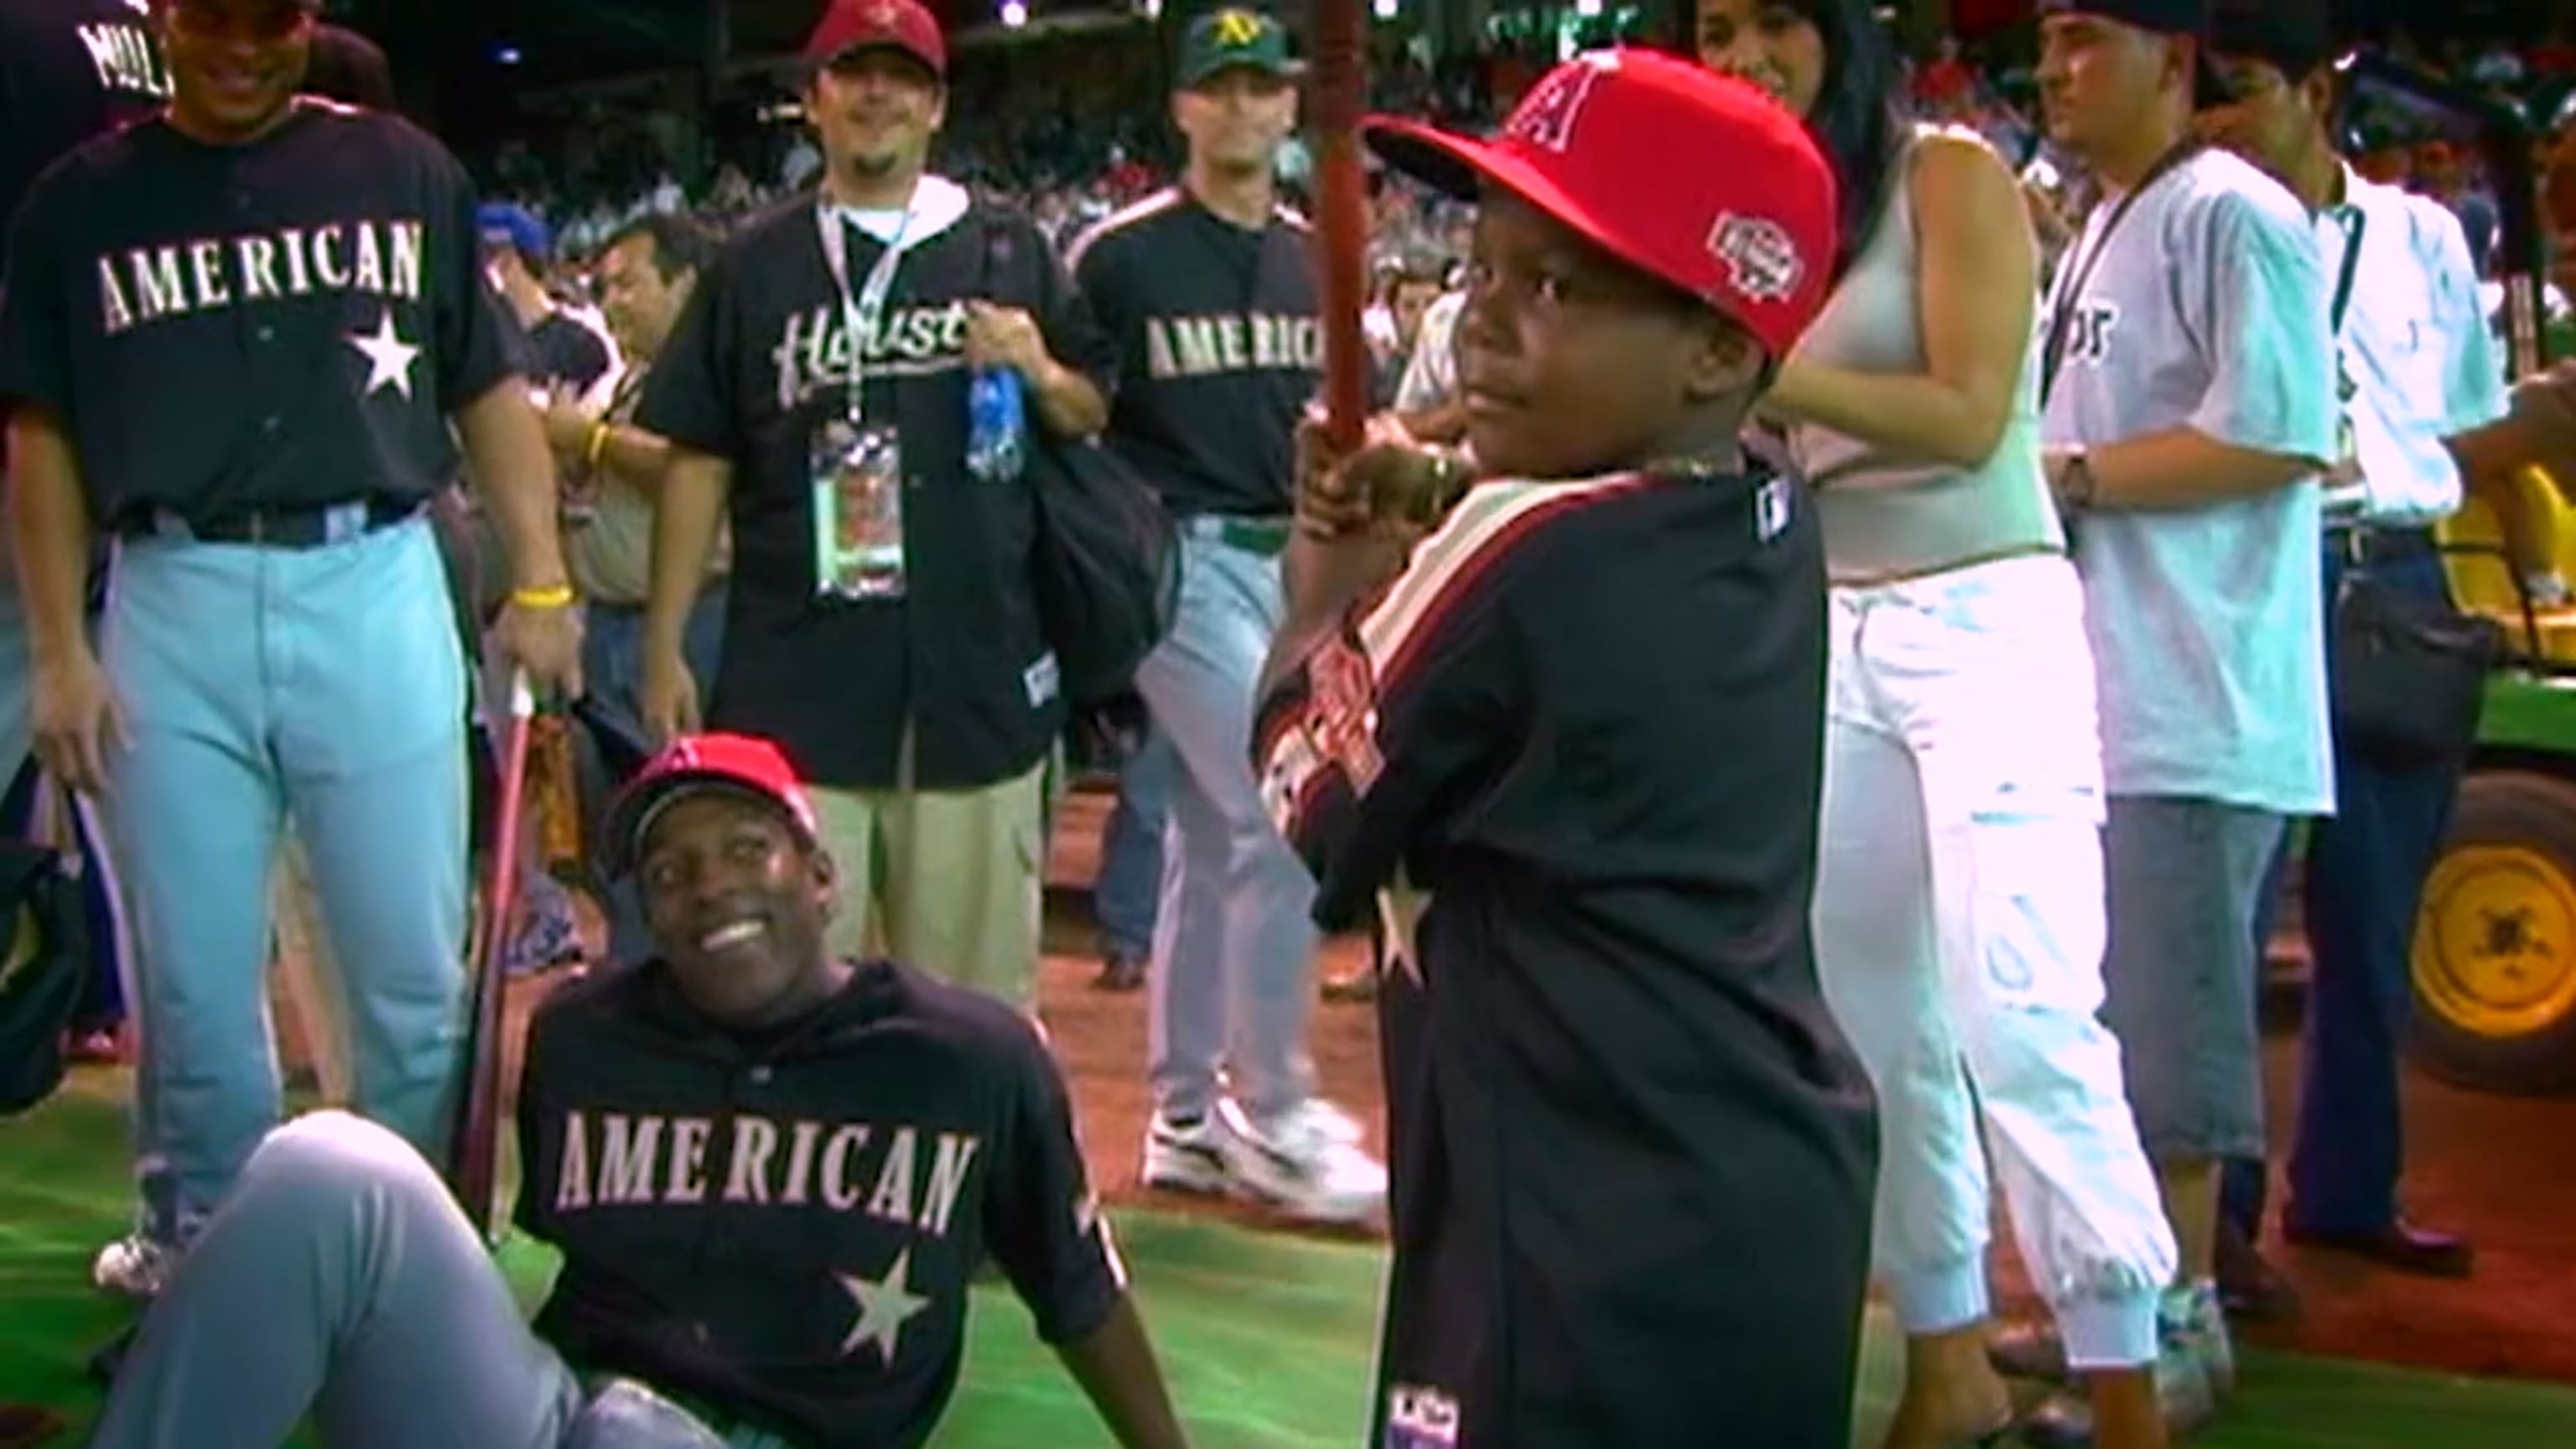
(743, 764)
(904, 25)
(1698, 178)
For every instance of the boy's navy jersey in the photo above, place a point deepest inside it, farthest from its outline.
(783, 1232)
(567, 353)
(1626, 1138)
(759, 359)
(297, 316)
(70, 70)
(1220, 348)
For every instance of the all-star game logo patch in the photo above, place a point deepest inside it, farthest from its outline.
(1420, 1418)
(1762, 262)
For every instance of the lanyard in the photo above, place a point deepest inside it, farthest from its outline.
(2075, 278)
(2355, 224)
(861, 313)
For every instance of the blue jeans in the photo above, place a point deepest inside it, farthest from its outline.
(612, 715)
(1129, 888)
(2365, 876)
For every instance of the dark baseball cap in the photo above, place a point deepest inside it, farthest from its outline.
(742, 765)
(2296, 36)
(1233, 38)
(906, 26)
(2164, 17)
(1750, 228)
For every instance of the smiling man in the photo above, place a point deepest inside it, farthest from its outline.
(242, 339)
(882, 621)
(771, 1170)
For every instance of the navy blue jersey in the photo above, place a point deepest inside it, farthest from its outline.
(759, 359)
(286, 323)
(1220, 348)
(70, 70)
(1626, 1139)
(784, 1232)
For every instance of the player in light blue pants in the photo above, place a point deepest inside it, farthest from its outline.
(232, 665)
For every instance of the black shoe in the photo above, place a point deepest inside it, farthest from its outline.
(2400, 1245)
(111, 1356)
(2249, 1288)
(1120, 971)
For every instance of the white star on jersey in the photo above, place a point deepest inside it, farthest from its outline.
(884, 1307)
(389, 358)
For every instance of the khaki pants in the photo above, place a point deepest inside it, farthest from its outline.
(947, 881)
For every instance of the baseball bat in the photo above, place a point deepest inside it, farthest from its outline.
(478, 1131)
(1340, 97)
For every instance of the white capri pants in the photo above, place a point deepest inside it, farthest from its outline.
(1960, 924)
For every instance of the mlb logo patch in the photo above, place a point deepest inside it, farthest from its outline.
(1762, 262)
(1420, 1418)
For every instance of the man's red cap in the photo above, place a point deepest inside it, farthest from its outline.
(1698, 178)
(744, 764)
(904, 25)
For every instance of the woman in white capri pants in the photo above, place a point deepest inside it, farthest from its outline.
(1960, 917)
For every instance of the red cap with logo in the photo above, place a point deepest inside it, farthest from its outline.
(904, 25)
(745, 764)
(1697, 178)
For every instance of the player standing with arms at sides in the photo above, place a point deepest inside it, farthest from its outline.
(771, 1172)
(279, 639)
(2415, 363)
(1632, 1152)
(1209, 291)
(2187, 386)
(882, 624)
(1959, 912)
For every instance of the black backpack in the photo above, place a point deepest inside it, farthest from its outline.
(44, 964)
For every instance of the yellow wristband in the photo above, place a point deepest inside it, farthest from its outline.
(558, 596)
(598, 445)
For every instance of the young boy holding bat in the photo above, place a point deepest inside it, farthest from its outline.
(771, 1171)
(1632, 1155)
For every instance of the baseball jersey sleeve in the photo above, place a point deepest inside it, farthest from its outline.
(474, 351)
(1074, 336)
(35, 323)
(1042, 1219)
(688, 395)
(1357, 747)
(2262, 315)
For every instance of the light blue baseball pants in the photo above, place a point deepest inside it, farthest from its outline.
(1234, 944)
(256, 681)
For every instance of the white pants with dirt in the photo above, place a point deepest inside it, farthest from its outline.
(950, 882)
(1960, 926)
(340, 1281)
(1232, 989)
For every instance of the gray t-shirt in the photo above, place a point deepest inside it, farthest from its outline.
(2206, 311)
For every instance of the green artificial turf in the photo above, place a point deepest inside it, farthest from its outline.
(1267, 1339)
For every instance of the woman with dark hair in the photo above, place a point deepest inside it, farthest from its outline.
(1959, 914)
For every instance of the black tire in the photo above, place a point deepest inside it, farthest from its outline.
(2494, 961)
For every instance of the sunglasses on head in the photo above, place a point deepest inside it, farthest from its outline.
(249, 19)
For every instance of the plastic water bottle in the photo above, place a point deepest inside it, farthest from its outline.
(997, 424)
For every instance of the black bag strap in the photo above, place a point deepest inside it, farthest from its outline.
(2062, 314)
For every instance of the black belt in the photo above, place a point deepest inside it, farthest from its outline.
(304, 526)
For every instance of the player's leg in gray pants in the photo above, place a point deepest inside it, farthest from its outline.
(338, 1279)
(1233, 946)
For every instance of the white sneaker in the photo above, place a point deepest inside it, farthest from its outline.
(133, 1267)
(1186, 1156)
(1303, 1162)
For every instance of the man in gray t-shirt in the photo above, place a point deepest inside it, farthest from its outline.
(2188, 407)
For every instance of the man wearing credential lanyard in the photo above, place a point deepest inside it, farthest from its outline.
(852, 387)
